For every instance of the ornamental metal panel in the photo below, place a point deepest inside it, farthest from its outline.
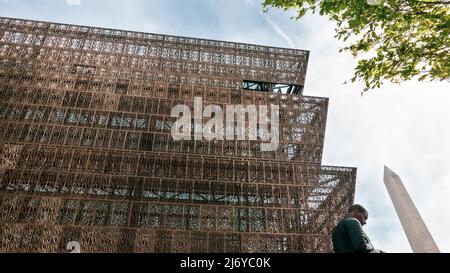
(87, 152)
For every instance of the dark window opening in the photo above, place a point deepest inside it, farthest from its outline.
(278, 88)
(122, 86)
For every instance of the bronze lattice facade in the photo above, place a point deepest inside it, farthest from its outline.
(86, 152)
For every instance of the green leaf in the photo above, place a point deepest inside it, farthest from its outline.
(411, 38)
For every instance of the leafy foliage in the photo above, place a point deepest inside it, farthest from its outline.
(405, 39)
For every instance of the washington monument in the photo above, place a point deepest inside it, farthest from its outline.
(416, 231)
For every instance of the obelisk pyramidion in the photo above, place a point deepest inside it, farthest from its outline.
(416, 231)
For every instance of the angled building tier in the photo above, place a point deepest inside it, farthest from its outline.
(87, 154)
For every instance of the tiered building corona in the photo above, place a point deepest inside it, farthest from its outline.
(87, 155)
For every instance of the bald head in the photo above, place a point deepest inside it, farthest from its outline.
(358, 212)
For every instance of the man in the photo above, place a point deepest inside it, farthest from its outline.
(349, 236)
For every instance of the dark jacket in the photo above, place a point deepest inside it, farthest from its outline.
(349, 237)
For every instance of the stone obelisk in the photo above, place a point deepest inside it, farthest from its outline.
(416, 231)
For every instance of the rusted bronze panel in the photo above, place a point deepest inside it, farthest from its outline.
(86, 152)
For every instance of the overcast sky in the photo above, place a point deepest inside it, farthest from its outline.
(406, 127)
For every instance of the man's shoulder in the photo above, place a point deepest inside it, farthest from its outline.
(344, 223)
(350, 221)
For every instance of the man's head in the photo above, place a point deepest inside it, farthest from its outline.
(358, 212)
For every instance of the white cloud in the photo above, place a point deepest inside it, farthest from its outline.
(73, 2)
